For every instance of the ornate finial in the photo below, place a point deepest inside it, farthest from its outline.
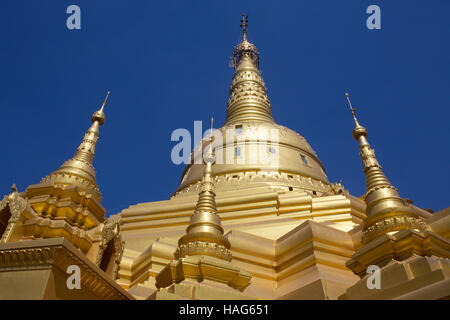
(106, 99)
(248, 97)
(79, 170)
(350, 105)
(14, 188)
(99, 115)
(245, 49)
(244, 26)
(359, 129)
(209, 158)
(210, 132)
(211, 137)
(382, 199)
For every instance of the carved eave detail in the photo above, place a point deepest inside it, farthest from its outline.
(43, 228)
(110, 231)
(18, 205)
(77, 207)
(202, 268)
(59, 253)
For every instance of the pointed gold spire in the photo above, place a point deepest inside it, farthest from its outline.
(204, 235)
(359, 130)
(374, 175)
(204, 253)
(386, 211)
(104, 102)
(248, 99)
(79, 170)
(86, 150)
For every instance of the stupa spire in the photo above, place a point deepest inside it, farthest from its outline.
(204, 253)
(374, 174)
(357, 125)
(204, 235)
(86, 150)
(385, 210)
(79, 169)
(248, 98)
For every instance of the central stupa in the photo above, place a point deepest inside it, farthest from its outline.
(250, 128)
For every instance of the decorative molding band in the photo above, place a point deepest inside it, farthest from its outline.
(392, 224)
(60, 253)
(229, 181)
(378, 188)
(203, 248)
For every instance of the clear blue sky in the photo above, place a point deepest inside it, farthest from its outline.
(167, 64)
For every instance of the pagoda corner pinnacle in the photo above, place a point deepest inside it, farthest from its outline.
(384, 207)
(99, 115)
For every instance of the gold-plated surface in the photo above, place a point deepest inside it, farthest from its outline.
(37, 270)
(415, 278)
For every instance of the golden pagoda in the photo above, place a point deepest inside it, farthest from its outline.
(59, 223)
(236, 227)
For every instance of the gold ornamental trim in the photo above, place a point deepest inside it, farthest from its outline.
(111, 232)
(203, 248)
(60, 253)
(392, 224)
(17, 205)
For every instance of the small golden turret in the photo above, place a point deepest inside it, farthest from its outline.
(386, 211)
(79, 170)
(203, 253)
(248, 98)
(71, 193)
(204, 235)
